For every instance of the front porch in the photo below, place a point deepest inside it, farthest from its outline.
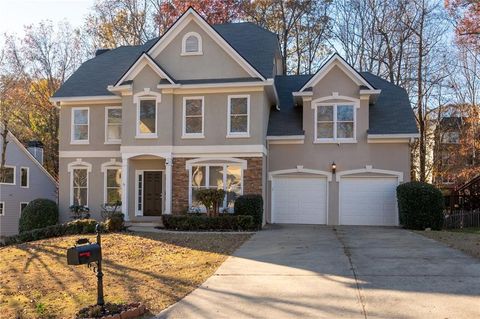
(146, 187)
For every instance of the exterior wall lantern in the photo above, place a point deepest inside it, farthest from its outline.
(334, 168)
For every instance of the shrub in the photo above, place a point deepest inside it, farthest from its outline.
(115, 222)
(251, 205)
(39, 213)
(203, 223)
(211, 198)
(80, 212)
(420, 206)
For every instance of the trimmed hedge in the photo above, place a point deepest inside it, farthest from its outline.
(420, 206)
(197, 222)
(83, 226)
(39, 213)
(250, 205)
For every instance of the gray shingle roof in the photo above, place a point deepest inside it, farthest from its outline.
(391, 113)
(94, 75)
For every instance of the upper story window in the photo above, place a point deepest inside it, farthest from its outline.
(238, 116)
(8, 175)
(335, 122)
(113, 124)
(147, 118)
(451, 138)
(24, 177)
(192, 44)
(193, 115)
(80, 125)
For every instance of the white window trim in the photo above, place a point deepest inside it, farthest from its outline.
(114, 141)
(207, 177)
(28, 177)
(21, 203)
(79, 164)
(184, 118)
(2, 212)
(238, 134)
(146, 94)
(14, 175)
(184, 44)
(139, 212)
(317, 140)
(104, 169)
(72, 140)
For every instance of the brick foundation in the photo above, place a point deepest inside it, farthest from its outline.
(252, 181)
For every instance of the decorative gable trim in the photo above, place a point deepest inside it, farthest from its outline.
(344, 66)
(192, 15)
(142, 61)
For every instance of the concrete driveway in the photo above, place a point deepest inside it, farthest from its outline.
(342, 272)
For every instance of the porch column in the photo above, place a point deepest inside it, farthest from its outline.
(168, 186)
(125, 188)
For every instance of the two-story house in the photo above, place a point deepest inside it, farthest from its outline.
(25, 179)
(207, 106)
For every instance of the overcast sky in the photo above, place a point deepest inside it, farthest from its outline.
(14, 14)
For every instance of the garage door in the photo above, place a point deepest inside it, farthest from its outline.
(368, 201)
(299, 200)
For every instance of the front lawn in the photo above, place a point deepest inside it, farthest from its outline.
(467, 240)
(157, 269)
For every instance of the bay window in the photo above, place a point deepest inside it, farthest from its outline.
(334, 122)
(228, 177)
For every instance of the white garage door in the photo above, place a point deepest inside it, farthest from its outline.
(368, 201)
(299, 200)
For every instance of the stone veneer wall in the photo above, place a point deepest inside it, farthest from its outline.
(252, 181)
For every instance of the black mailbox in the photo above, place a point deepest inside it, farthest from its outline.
(83, 254)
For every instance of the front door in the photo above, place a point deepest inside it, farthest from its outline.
(152, 195)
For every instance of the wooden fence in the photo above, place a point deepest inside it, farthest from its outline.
(460, 218)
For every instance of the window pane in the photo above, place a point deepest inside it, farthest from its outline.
(22, 206)
(234, 177)
(80, 132)
(8, 175)
(114, 195)
(325, 130)
(1, 209)
(345, 113)
(191, 44)
(114, 178)
(195, 201)
(79, 178)
(114, 132)
(198, 176)
(80, 117)
(193, 125)
(345, 130)
(147, 116)
(114, 116)
(193, 107)
(24, 177)
(80, 196)
(216, 177)
(238, 105)
(239, 124)
(325, 113)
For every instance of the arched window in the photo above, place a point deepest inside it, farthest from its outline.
(192, 44)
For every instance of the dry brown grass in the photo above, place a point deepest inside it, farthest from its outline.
(467, 241)
(157, 269)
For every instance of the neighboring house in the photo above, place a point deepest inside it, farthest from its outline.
(207, 106)
(25, 180)
(448, 157)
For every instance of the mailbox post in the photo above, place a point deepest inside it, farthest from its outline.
(86, 253)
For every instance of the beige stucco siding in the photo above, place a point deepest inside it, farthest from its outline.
(214, 63)
(96, 129)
